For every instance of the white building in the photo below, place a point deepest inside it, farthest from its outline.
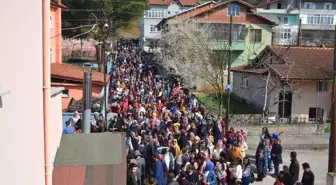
(318, 19)
(159, 9)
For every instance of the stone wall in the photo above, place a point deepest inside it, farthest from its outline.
(288, 129)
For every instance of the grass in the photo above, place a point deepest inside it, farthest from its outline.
(327, 129)
(211, 102)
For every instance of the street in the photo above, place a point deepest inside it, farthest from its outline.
(318, 160)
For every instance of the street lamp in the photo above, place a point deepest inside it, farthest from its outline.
(87, 93)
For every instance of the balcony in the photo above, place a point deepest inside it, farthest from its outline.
(318, 22)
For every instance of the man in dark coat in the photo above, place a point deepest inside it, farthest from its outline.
(131, 175)
(308, 177)
(141, 163)
(294, 167)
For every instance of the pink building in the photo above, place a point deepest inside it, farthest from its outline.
(21, 96)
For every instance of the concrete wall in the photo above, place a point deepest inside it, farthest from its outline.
(288, 129)
(21, 141)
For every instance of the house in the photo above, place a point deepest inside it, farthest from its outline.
(56, 31)
(159, 9)
(22, 108)
(318, 18)
(287, 14)
(318, 22)
(66, 75)
(251, 32)
(71, 78)
(291, 82)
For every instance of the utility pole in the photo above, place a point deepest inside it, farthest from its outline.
(229, 78)
(332, 138)
(105, 86)
(87, 93)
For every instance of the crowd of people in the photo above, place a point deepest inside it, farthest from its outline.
(171, 140)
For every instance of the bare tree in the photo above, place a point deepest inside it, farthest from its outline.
(261, 68)
(192, 50)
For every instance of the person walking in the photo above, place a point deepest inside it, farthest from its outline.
(308, 177)
(294, 167)
(131, 176)
(276, 154)
(246, 179)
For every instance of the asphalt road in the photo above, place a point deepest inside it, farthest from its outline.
(318, 160)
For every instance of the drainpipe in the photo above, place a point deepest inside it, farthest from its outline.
(46, 90)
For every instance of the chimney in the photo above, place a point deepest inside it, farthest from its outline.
(299, 38)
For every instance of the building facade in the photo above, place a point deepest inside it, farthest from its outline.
(252, 32)
(293, 83)
(21, 96)
(158, 10)
(317, 21)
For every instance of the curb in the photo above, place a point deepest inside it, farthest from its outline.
(311, 146)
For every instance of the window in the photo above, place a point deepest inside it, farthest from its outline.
(327, 6)
(279, 6)
(244, 82)
(155, 13)
(255, 35)
(65, 93)
(308, 5)
(233, 9)
(51, 23)
(320, 19)
(285, 33)
(220, 31)
(322, 86)
(283, 20)
(51, 55)
(153, 28)
(168, 12)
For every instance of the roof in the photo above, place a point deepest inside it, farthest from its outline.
(75, 73)
(95, 159)
(299, 63)
(266, 3)
(168, 2)
(188, 10)
(221, 4)
(57, 4)
(251, 8)
(77, 105)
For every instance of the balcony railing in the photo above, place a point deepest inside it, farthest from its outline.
(320, 19)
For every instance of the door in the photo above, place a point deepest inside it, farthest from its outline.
(285, 105)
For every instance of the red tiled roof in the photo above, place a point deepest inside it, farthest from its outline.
(304, 63)
(249, 69)
(90, 174)
(75, 73)
(168, 2)
(298, 63)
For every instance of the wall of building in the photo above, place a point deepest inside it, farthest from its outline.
(76, 92)
(22, 141)
(254, 92)
(252, 49)
(56, 34)
(305, 95)
(308, 97)
(56, 123)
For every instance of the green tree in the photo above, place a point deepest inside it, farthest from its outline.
(83, 14)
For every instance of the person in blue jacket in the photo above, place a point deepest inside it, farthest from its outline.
(261, 165)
